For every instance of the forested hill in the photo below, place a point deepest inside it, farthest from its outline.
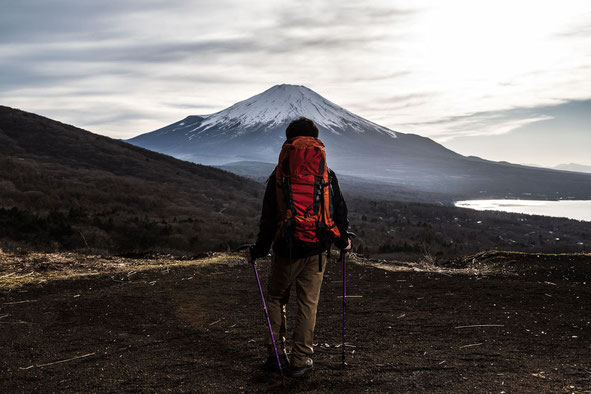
(61, 186)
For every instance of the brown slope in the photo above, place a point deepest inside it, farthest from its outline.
(64, 187)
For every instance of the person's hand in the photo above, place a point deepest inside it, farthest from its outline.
(348, 245)
(247, 255)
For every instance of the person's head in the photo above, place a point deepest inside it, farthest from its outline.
(301, 127)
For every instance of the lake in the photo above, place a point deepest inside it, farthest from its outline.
(572, 209)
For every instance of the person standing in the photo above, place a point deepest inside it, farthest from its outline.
(303, 213)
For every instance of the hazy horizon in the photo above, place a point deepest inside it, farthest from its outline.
(503, 81)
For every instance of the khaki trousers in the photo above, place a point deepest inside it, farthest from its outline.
(305, 274)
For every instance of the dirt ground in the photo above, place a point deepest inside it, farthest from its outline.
(493, 322)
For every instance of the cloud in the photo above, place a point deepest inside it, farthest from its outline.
(487, 123)
(49, 44)
(383, 107)
(17, 76)
(580, 30)
(191, 106)
(380, 77)
(43, 21)
(347, 15)
(121, 52)
(562, 137)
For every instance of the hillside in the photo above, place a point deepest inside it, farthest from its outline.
(64, 187)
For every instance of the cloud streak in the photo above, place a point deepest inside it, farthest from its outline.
(498, 122)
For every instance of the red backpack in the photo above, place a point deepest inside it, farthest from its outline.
(303, 192)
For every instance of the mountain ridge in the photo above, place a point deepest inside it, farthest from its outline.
(253, 130)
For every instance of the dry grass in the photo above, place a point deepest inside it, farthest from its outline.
(31, 268)
(37, 267)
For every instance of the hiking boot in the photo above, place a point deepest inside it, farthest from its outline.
(298, 372)
(270, 364)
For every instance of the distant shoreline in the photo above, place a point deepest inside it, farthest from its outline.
(571, 209)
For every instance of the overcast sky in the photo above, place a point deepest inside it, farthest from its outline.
(504, 80)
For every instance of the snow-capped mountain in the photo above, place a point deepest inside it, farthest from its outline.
(253, 130)
(281, 104)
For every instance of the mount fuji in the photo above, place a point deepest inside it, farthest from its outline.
(246, 138)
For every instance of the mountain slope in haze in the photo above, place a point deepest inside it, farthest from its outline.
(351, 186)
(254, 130)
(61, 186)
(574, 167)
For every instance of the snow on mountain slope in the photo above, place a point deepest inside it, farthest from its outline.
(279, 105)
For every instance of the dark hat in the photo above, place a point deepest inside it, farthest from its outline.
(301, 127)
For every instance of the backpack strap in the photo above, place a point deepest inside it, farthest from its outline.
(284, 192)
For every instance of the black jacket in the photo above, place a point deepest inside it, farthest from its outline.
(270, 217)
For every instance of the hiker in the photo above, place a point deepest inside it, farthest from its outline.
(303, 213)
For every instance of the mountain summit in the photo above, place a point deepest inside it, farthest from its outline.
(253, 130)
(283, 103)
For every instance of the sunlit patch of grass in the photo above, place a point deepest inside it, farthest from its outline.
(36, 268)
(513, 252)
(489, 262)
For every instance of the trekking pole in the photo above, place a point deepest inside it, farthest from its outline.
(256, 274)
(344, 255)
